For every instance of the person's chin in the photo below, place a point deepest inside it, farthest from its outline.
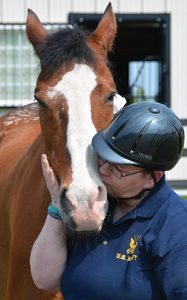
(109, 188)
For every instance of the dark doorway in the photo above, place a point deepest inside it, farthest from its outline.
(141, 55)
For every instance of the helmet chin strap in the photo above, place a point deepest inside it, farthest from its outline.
(142, 192)
(137, 196)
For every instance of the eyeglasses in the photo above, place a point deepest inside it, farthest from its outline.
(116, 171)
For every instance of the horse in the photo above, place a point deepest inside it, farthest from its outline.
(74, 99)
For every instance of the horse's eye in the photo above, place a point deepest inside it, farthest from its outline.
(110, 98)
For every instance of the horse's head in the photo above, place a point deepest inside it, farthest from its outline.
(75, 92)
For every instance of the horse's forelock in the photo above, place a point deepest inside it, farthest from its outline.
(65, 45)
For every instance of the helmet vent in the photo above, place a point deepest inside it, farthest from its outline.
(119, 129)
(140, 135)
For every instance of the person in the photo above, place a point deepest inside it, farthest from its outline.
(141, 251)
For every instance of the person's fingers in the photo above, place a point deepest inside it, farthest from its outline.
(47, 170)
(50, 178)
(45, 164)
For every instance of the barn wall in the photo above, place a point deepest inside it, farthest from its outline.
(57, 11)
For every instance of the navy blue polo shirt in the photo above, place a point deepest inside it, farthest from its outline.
(142, 256)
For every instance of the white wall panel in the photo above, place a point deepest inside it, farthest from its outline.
(41, 8)
(179, 172)
(130, 6)
(1, 11)
(83, 6)
(59, 10)
(101, 5)
(152, 6)
(178, 10)
(13, 11)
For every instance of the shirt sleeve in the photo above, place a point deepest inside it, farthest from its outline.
(171, 274)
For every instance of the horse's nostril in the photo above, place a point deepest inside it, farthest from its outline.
(65, 203)
(63, 193)
(100, 189)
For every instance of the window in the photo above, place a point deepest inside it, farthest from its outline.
(140, 59)
(19, 66)
(144, 80)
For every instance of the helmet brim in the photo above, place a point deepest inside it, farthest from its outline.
(107, 153)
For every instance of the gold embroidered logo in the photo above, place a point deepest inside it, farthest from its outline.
(130, 254)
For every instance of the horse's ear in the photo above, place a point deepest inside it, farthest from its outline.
(106, 30)
(36, 33)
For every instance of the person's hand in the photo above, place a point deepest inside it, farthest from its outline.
(51, 181)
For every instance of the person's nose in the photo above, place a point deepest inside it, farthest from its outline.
(104, 168)
(101, 162)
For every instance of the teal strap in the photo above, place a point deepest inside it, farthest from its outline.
(54, 212)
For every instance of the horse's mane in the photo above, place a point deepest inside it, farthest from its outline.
(63, 46)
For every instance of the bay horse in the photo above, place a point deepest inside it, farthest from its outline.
(74, 93)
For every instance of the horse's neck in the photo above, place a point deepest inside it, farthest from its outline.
(16, 139)
(23, 116)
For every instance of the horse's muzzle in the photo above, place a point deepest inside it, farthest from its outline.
(79, 217)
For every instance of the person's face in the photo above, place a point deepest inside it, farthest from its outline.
(124, 181)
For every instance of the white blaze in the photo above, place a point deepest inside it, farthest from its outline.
(119, 102)
(77, 86)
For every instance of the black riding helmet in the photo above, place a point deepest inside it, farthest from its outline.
(146, 134)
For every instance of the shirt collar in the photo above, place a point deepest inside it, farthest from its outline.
(150, 205)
